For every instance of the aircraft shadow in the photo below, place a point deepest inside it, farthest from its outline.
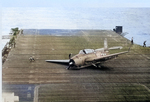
(103, 68)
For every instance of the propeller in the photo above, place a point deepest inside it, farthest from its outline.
(68, 67)
(70, 55)
(71, 64)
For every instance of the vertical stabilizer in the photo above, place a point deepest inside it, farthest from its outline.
(105, 44)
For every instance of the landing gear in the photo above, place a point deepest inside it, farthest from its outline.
(98, 65)
(68, 68)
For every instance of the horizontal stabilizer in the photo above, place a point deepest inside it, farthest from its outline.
(116, 47)
(111, 48)
(100, 49)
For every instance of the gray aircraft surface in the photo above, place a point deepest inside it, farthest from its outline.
(90, 57)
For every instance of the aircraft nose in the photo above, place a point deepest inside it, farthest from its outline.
(71, 62)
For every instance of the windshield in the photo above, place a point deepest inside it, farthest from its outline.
(86, 51)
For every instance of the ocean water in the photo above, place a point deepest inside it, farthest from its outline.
(135, 21)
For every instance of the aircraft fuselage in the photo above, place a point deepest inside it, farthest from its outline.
(80, 60)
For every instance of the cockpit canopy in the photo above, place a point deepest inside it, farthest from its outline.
(86, 51)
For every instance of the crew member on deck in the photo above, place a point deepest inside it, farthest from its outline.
(132, 40)
(144, 44)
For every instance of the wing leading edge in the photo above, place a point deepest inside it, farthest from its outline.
(58, 61)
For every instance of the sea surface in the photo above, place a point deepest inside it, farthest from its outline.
(135, 21)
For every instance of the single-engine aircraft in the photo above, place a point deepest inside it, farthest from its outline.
(90, 57)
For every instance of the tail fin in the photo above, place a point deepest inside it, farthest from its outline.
(105, 44)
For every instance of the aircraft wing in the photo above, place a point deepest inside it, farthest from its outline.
(58, 61)
(106, 57)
